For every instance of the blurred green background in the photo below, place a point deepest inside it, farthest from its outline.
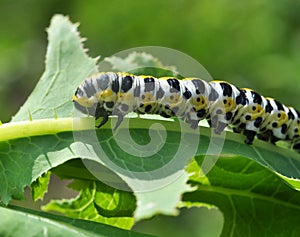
(249, 43)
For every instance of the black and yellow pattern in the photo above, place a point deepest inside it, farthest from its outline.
(192, 100)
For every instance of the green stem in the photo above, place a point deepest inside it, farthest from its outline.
(15, 130)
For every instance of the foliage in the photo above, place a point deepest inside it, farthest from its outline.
(255, 187)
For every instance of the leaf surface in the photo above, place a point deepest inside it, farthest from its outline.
(254, 200)
(18, 221)
(66, 66)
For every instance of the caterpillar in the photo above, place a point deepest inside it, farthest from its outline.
(191, 99)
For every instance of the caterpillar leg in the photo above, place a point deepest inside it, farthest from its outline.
(220, 128)
(104, 120)
(265, 136)
(237, 129)
(296, 147)
(101, 112)
(249, 136)
(213, 121)
(194, 124)
(274, 139)
(120, 119)
(209, 122)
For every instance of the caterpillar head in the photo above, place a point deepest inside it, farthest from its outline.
(95, 95)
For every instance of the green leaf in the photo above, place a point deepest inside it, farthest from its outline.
(66, 66)
(149, 170)
(40, 186)
(30, 148)
(151, 200)
(284, 162)
(254, 200)
(24, 160)
(97, 202)
(54, 150)
(16, 221)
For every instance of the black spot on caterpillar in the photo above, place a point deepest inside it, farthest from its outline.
(191, 100)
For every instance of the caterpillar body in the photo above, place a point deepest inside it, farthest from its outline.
(192, 100)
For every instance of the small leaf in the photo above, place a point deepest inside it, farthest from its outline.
(141, 64)
(163, 200)
(99, 203)
(40, 186)
(67, 65)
